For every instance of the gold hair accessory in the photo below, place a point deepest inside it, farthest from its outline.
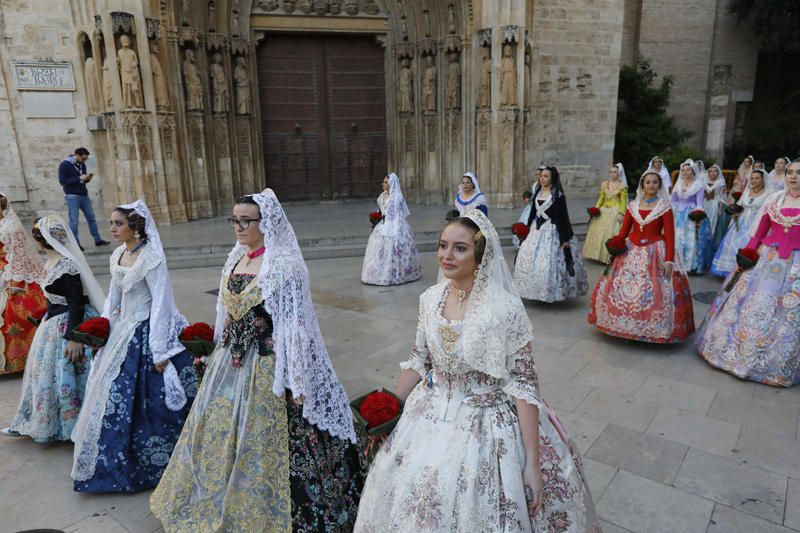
(478, 236)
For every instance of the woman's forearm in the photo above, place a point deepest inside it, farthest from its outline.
(529, 426)
(408, 380)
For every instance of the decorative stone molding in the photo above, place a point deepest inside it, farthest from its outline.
(216, 42)
(122, 22)
(485, 37)
(153, 28)
(510, 34)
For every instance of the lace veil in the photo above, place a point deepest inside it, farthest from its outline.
(396, 208)
(302, 364)
(474, 181)
(696, 186)
(59, 236)
(24, 262)
(664, 172)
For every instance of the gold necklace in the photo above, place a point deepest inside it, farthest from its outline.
(462, 294)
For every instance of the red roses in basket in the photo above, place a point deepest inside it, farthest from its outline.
(520, 230)
(594, 212)
(93, 332)
(746, 258)
(376, 413)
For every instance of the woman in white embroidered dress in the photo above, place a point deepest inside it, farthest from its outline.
(391, 257)
(142, 381)
(777, 176)
(716, 198)
(476, 448)
(470, 196)
(55, 376)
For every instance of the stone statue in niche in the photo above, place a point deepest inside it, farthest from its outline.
(212, 17)
(194, 83)
(219, 85)
(335, 7)
(108, 94)
(372, 7)
(527, 81)
(93, 98)
(429, 85)
(185, 12)
(405, 87)
(453, 94)
(288, 6)
(128, 64)
(235, 18)
(485, 81)
(320, 7)
(159, 80)
(305, 7)
(241, 79)
(351, 7)
(451, 19)
(508, 77)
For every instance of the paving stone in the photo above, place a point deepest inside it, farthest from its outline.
(744, 487)
(618, 409)
(608, 527)
(696, 431)
(676, 393)
(598, 476)
(563, 395)
(769, 450)
(727, 520)
(619, 380)
(645, 506)
(642, 454)
(780, 419)
(97, 523)
(792, 516)
(583, 430)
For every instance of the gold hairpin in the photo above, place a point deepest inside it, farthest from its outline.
(478, 236)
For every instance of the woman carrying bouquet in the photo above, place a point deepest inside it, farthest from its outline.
(611, 203)
(55, 376)
(470, 196)
(142, 381)
(21, 296)
(476, 448)
(744, 213)
(391, 257)
(751, 329)
(645, 295)
(715, 200)
(549, 266)
(693, 241)
(269, 444)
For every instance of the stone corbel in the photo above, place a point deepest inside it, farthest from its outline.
(452, 43)
(188, 35)
(510, 34)
(240, 46)
(258, 36)
(405, 50)
(216, 42)
(153, 28)
(380, 40)
(485, 37)
(428, 47)
(122, 22)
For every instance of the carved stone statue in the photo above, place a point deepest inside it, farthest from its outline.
(453, 94)
(194, 83)
(485, 83)
(405, 89)
(241, 79)
(351, 7)
(429, 85)
(451, 19)
(159, 80)
(320, 7)
(212, 16)
(93, 98)
(372, 8)
(305, 6)
(128, 64)
(508, 77)
(288, 6)
(185, 12)
(335, 7)
(108, 93)
(219, 85)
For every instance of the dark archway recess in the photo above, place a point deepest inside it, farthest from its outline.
(323, 112)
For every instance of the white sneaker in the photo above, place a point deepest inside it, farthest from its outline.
(8, 432)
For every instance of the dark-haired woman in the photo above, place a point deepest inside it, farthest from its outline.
(142, 381)
(21, 296)
(55, 375)
(549, 266)
(645, 294)
(476, 448)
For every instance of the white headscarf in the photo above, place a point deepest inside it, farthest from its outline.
(474, 181)
(302, 364)
(496, 325)
(718, 183)
(696, 185)
(621, 171)
(396, 208)
(662, 205)
(663, 172)
(781, 184)
(24, 262)
(61, 239)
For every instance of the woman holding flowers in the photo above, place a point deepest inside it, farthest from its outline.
(142, 381)
(693, 241)
(391, 257)
(751, 329)
(644, 295)
(743, 213)
(610, 211)
(476, 448)
(269, 443)
(55, 376)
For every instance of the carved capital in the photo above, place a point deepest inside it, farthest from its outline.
(122, 22)
(452, 43)
(153, 28)
(188, 35)
(510, 34)
(216, 42)
(405, 50)
(485, 37)
(240, 46)
(428, 47)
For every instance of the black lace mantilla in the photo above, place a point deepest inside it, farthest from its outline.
(253, 329)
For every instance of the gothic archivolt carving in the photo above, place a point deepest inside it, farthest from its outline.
(320, 7)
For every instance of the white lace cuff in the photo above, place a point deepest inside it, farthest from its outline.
(416, 364)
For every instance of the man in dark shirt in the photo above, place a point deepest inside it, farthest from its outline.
(73, 178)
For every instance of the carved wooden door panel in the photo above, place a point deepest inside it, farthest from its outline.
(323, 116)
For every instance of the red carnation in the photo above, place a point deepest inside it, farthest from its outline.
(520, 230)
(198, 332)
(594, 212)
(736, 195)
(375, 217)
(96, 327)
(379, 408)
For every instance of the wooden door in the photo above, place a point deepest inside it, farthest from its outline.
(323, 116)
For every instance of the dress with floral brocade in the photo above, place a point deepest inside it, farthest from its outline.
(454, 461)
(247, 460)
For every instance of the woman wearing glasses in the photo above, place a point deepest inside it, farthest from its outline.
(142, 381)
(269, 444)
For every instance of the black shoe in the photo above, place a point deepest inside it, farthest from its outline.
(101, 242)
(81, 247)
(571, 270)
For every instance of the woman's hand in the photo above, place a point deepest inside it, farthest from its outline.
(565, 246)
(534, 487)
(160, 367)
(74, 351)
(669, 268)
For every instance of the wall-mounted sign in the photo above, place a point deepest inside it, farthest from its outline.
(43, 76)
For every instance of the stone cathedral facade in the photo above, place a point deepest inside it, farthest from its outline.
(191, 103)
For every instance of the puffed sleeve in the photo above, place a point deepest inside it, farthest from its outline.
(669, 235)
(622, 200)
(73, 292)
(601, 198)
(419, 354)
(523, 383)
(761, 232)
(627, 225)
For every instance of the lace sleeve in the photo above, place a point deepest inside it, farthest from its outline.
(420, 353)
(524, 381)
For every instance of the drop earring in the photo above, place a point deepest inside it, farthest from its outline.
(137, 236)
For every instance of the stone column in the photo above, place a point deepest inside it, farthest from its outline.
(718, 104)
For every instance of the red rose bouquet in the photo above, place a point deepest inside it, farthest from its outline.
(520, 230)
(697, 216)
(594, 212)
(746, 258)
(93, 332)
(616, 246)
(376, 414)
(736, 195)
(198, 339)
(375, 217)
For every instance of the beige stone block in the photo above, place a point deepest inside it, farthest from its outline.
(562, 395)
(780, 419)
(769, 450)
(598, 476)
(97, 523)
(618, 409)
(727, 520)
(792, 516)
(696, 431)
(581, 429)
(677, 394)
